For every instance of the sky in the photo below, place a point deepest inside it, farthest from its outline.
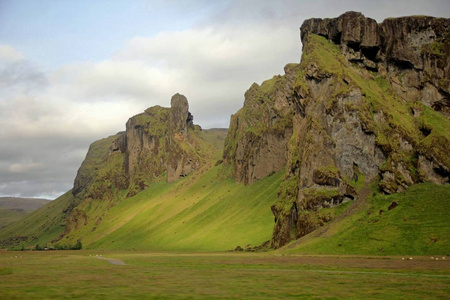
(72, 72)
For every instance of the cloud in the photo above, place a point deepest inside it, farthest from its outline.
(45, 130)
(22, 168)
(9, 54)
(213, 68)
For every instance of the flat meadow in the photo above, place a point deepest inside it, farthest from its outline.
(222, 275)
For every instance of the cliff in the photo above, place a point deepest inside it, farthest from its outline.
(132, 176)
(368, 104)
(412, 52)
(160, 144)
(257, 142)
(157, 145)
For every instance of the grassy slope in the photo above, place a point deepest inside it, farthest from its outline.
(418, 225)
(200, 212)
(215, 136)
(195, 213)
(42, 225)
(9, 216)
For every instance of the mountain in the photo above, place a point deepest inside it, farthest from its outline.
(157, 185)
(351, 142)
(13, 209)
(368, 106)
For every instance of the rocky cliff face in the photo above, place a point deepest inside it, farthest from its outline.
(412, 52)
(157, 144)
(368, 104)
(257, 141)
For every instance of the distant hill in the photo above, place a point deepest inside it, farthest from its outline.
(215, 136)
(13, 209)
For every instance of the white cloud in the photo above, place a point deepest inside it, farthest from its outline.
(213, 68)
(22, 168)
(9, 54)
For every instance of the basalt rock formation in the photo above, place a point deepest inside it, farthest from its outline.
(413, 52)
(156, 144)
(369, 103)
(257, 140)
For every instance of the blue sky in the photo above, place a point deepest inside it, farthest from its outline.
(72, 72)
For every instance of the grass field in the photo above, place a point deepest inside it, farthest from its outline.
(79, 274)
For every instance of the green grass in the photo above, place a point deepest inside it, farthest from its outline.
(9, 216)
(78, 274)
(216, 137)
(418, 225)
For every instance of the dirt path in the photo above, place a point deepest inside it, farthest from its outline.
(113, 261)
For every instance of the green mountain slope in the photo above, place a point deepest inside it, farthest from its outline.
(196, 213)
(412, 222)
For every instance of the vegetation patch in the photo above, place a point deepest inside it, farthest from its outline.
(417, 225)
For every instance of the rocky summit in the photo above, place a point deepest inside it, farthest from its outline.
(156, 143)
(364, 114)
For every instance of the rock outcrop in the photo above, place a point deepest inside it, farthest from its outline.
(371, 106)
(257, 141)
(156, 145)
(369, 103)
(412, 52)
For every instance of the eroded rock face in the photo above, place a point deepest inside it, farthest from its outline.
(155, 143)
(257, 141)
(360, 97)
(180, 117)
(412, 51)
(367, 104)
(158, 142)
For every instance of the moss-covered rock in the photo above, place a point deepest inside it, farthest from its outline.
(360, 117)
(256, 144)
